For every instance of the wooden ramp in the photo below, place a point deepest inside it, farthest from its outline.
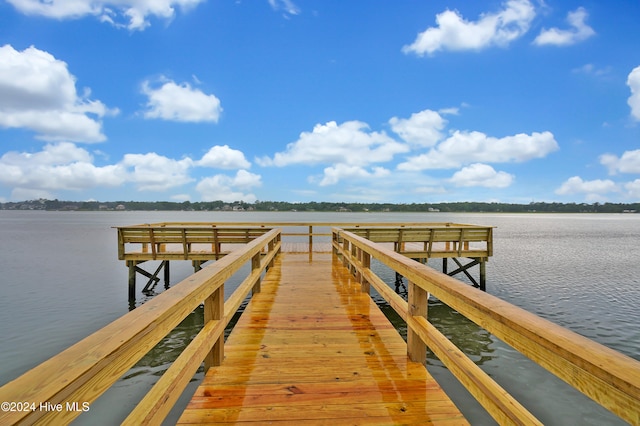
(310, 348)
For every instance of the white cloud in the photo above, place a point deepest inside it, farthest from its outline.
(579, 31)
(334, 174)
(229, 189)
(180, 102)
(134, 12)
(348, 143)
(453, 32)
(423, 128)
(633, 189)
(590, 69)
(38, 93)
(481, 175)
(287, 6)
(245, 179)
(223, 157)
(628, 163)
(470, 147)
(60, 166)
(153, 172)
(593, 189)
(633, 81)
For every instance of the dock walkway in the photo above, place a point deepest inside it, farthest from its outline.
(312, 348)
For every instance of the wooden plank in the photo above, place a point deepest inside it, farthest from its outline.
(312, 348)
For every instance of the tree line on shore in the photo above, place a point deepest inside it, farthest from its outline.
(464, 207)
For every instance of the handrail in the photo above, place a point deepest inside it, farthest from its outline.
(606, 376)
(178, 234)
(87, 369)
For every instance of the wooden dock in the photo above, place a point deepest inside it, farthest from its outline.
(312, 348)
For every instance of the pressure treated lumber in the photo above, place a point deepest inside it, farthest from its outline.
(311, 348)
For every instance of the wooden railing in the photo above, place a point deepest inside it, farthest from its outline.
(443, 240)
(87, 369)
(151, 242)
(606, 376)
(203, 240)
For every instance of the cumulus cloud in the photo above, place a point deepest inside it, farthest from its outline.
(481, 175)
(471, 147)
(629, 162)
(229, 188)
(334, 174)
(593, 189)
(38, 93)
(223, 157)
(633, 81)
(153, 172)
(180, 102)
(579, 31)
(134, 13)
(59, 166)
(453, 32)
(65, 166)
(348, 148)
(349, 143)
(423, 128)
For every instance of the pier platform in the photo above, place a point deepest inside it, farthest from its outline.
(312, 348)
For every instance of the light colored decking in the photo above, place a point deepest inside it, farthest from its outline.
(310, 348)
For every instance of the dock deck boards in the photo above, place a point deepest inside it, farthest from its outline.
(310, 348)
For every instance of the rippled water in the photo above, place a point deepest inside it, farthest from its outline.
(61, 280)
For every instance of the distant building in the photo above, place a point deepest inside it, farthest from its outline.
(120, 207)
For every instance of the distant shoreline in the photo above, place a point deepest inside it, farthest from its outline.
(279, 206)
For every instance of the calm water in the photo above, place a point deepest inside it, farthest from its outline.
(61, 280)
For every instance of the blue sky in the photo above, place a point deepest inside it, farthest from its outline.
(293, 100)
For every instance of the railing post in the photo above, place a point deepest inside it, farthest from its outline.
(417, 304)
(345, 249)
(353, 258)
(365, 287)
(270, 247)
(214, 310)
(255, 264)
(310, 238)
(357, 271)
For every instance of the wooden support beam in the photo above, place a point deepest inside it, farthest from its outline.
(132, 279)
(166, 274)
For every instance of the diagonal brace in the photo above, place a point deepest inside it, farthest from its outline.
(463, 268)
